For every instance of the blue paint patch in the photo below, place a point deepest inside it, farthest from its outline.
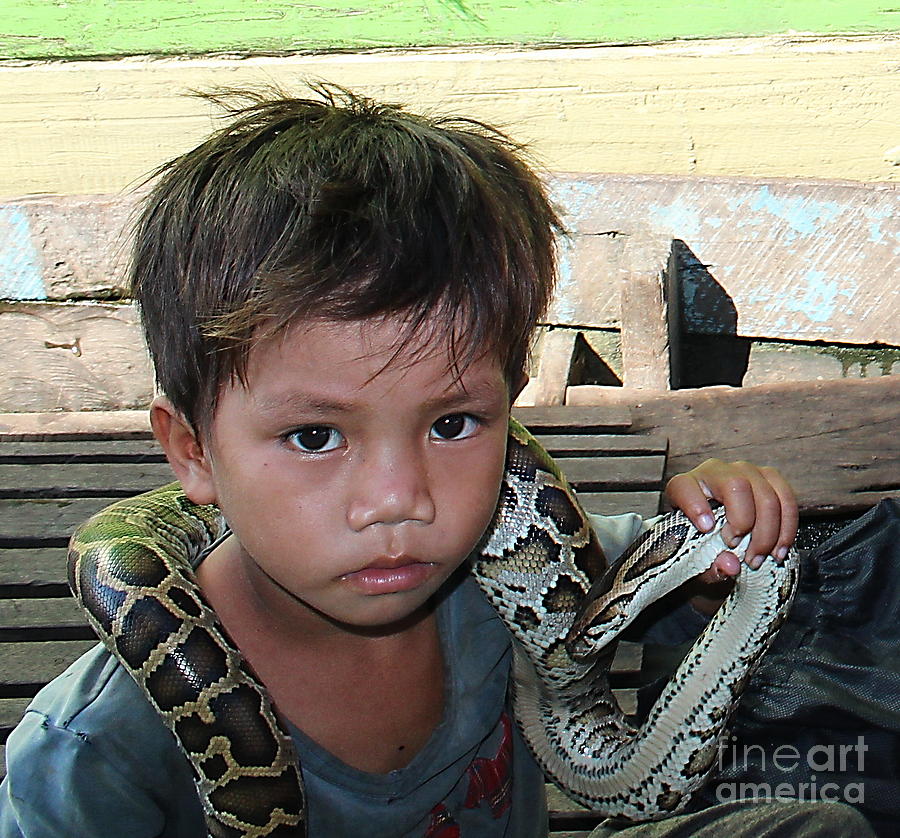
(821, 296)
(562, 306)
(575, 198)
(20, 265)
(802, 215)
(679, 221)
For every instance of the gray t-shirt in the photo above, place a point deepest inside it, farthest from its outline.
(91, 757)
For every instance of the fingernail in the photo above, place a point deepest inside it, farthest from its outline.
(757, 561)
(706, 521)
(733, 540)
(781, 553)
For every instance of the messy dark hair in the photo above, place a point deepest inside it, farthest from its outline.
(337, 207)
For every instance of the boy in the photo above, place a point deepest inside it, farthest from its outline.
(338, 298)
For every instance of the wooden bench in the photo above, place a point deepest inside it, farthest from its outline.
(49, 483)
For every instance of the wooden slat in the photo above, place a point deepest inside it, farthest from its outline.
(26, 666)
(32, 567)
(74, 479)
(614, 473)
(72, 358)
(22, 615)
(837, 442)
(43, 521)
(564, 419)
(11, 712)
(83, 450)
(77, 426)
(601, 445)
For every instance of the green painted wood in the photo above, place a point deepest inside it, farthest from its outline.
(43, 29)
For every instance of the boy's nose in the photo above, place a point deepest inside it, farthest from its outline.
(390, 490)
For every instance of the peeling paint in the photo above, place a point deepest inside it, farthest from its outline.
(563, 307)
(802, 215)
(790, 259)
(821, 296)
(21, 277)
(576, 197)
(678, 220)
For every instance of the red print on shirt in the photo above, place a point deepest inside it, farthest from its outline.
(490, 779)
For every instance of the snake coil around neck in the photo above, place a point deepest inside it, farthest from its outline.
(130, 568)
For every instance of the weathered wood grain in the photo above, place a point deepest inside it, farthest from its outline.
(81, 451)
(11, 711)
(837, 442)
(75, 426)
(40, 614)
(26, 666)
(593, 419)
(602, 445)
(45, 522)
(790, 259)
(547, 385)
(614, 473)
(72, 357)
(650, 314)
(827, 251)
(80, 479)
(33, 568)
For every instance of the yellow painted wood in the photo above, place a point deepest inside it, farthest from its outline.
(766, 107)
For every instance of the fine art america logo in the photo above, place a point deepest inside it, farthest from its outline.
(824, 763)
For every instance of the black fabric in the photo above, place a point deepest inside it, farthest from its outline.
(821, 715)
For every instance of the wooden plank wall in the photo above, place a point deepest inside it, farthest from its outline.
(837, 442)
(782, 106)
(786, 266)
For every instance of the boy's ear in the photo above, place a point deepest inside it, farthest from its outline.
(184, 451)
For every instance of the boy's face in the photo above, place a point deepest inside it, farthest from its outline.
(355, 479)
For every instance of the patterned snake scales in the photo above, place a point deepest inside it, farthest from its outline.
(543, 571)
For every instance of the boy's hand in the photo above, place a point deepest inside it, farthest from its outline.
(757, 500)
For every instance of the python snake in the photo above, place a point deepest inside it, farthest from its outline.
(541, 567)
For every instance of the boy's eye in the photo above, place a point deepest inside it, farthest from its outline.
(316, 438)
(455, 426)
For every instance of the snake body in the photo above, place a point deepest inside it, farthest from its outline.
(539, 564)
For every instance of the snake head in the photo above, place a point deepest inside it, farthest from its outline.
(661, 559)
(602, 617)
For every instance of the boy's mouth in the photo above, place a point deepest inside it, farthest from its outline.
(390, 574)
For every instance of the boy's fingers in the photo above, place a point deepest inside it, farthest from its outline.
(738, 495)
(691, 495)
(758, 501)
(790, 515)
(775, 522)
